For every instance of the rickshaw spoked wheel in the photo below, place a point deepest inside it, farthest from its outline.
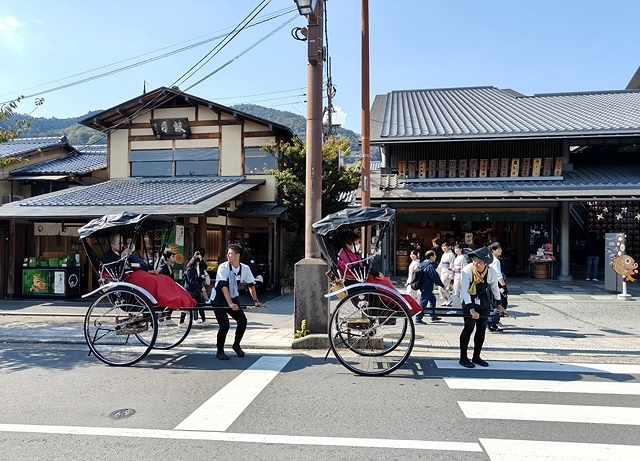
(173, 328)
(371, 333)
(114, 324)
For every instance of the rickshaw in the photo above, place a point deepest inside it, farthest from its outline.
(125, 322)
(370, 328)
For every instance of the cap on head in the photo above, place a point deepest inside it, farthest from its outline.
(483, 254)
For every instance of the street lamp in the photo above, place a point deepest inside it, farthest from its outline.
(310, 282)
(306, 7)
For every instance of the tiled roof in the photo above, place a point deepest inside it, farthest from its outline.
(192, 196)
(588, 181)
(26, 146)
(135, 191)
(491, 112)
(82, 160)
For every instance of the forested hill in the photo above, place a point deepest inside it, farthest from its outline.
(80, 134)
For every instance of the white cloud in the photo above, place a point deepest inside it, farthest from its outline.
(11, 33)
(339, 117)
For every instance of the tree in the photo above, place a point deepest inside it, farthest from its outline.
(14, 131)
(291, 177)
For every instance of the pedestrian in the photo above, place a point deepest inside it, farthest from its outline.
(592, 250)
(413, 268)
(477, 279)
(458, 264)
(493, 323)
(225, 294)
(194, 282)
(167, 262)
(429, 278)
(445, 271)
(435, 246)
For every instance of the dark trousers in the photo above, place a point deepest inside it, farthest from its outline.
(223, 325)
(427, 298)
(480, 326)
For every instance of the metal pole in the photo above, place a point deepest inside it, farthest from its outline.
(313, 196)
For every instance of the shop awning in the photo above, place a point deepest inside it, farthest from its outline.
(154, 196)
(258, 210)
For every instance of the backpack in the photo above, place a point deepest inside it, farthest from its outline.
(416, 280)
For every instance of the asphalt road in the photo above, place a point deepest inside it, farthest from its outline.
(271, 405)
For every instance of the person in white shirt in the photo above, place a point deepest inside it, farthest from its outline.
(445, 271)
(494, 319)
(477, 280)
(413, 268)
(225, 293)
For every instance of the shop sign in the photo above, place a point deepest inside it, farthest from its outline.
(49, 228)
(171, 128)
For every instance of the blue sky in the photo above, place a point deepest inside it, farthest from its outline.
(532, 46)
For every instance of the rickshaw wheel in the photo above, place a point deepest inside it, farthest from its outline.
(173, 328)
(114, 323)
(371, 333)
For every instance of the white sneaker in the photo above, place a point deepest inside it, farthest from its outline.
(182, 325)
(206, 323)
(198, 321)
(596, 280)
(168, 323)
(588, 279)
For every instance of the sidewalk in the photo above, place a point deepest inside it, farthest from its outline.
(552, 317)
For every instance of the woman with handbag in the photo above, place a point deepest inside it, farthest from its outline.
(194, 282)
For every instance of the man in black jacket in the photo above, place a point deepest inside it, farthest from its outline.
(429, 278)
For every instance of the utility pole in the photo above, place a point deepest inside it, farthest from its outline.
(310, 282)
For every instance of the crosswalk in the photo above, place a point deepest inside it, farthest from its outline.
(539, 379)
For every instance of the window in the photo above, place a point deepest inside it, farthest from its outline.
(188, 162)
(197, 162)
(257, 161)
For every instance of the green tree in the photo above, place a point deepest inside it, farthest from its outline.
(291, 177)
(14, 131)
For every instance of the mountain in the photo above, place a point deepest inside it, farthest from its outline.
(79, 134)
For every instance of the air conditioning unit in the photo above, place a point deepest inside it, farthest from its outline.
(7, 198)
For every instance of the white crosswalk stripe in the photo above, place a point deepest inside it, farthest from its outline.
(505, 449)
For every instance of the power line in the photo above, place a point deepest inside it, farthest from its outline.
(274, 15)
(262, 94)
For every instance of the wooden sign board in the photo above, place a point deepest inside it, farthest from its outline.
(526, 166)
(515, 167)
(537, 166)
(442, 168)
(493, 169)
(402, 169)
(462, 168)
(504, 167)
(432, 169)
(422, 169)
(473, 168)
(557, 171)
(411, 173)
(453, 170)
(484, 166)
(546, 168)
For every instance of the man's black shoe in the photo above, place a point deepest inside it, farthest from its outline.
(221, 355)
(466, 363)
(479, 361)
(435, 318)
(495, 329)
(239, 352)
